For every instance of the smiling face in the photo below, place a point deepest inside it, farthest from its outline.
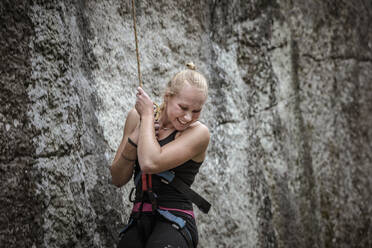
(184, 108)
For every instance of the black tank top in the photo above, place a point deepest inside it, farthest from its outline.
(167, 196)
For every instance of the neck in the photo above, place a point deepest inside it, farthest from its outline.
(164, 123)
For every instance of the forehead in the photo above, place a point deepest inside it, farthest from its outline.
(191, 96)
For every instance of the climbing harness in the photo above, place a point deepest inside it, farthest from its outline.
(169, 177)
(177, 223)
(147, 188)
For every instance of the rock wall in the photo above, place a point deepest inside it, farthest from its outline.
(290, 114)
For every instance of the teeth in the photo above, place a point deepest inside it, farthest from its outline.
(183, 123)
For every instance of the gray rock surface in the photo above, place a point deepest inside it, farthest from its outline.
(290, 114)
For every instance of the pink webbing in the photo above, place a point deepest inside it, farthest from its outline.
(147, 207)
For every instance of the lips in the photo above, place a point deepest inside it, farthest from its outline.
(183, 123)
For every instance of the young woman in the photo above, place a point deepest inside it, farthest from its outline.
(165, 157)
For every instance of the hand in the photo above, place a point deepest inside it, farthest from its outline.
(144, 105)
(135, 133)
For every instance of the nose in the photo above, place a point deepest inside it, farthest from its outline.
(188, 117)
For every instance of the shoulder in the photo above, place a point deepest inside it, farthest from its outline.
(202, 129)
(133, 115)
(197, 130)
(199, 136)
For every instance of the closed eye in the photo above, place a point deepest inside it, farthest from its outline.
(186, 108)
(183, 108)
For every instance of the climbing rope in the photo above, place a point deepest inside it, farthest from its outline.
(135, 36)
(156, 107)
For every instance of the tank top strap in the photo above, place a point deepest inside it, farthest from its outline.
(168, 139)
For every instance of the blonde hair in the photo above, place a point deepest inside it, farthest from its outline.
(188, 76)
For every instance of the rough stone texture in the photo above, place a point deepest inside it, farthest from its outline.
(290, 113)
(20, 215)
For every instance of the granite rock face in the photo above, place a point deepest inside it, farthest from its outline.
(289, 110)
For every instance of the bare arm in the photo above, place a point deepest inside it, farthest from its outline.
(123, 164)
(153, 158)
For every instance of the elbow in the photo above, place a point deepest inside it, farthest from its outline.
(117, 183)
(115, 180)
(149, 168)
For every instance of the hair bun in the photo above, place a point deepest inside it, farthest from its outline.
(191, 66)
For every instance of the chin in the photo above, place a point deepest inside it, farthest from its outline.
(180, 127)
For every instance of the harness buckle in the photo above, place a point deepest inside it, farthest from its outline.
(164, 181)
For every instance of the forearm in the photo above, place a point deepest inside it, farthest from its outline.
(148, 147)
(122, 167)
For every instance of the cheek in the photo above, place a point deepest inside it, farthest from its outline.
(175, 112)
(178, 112)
